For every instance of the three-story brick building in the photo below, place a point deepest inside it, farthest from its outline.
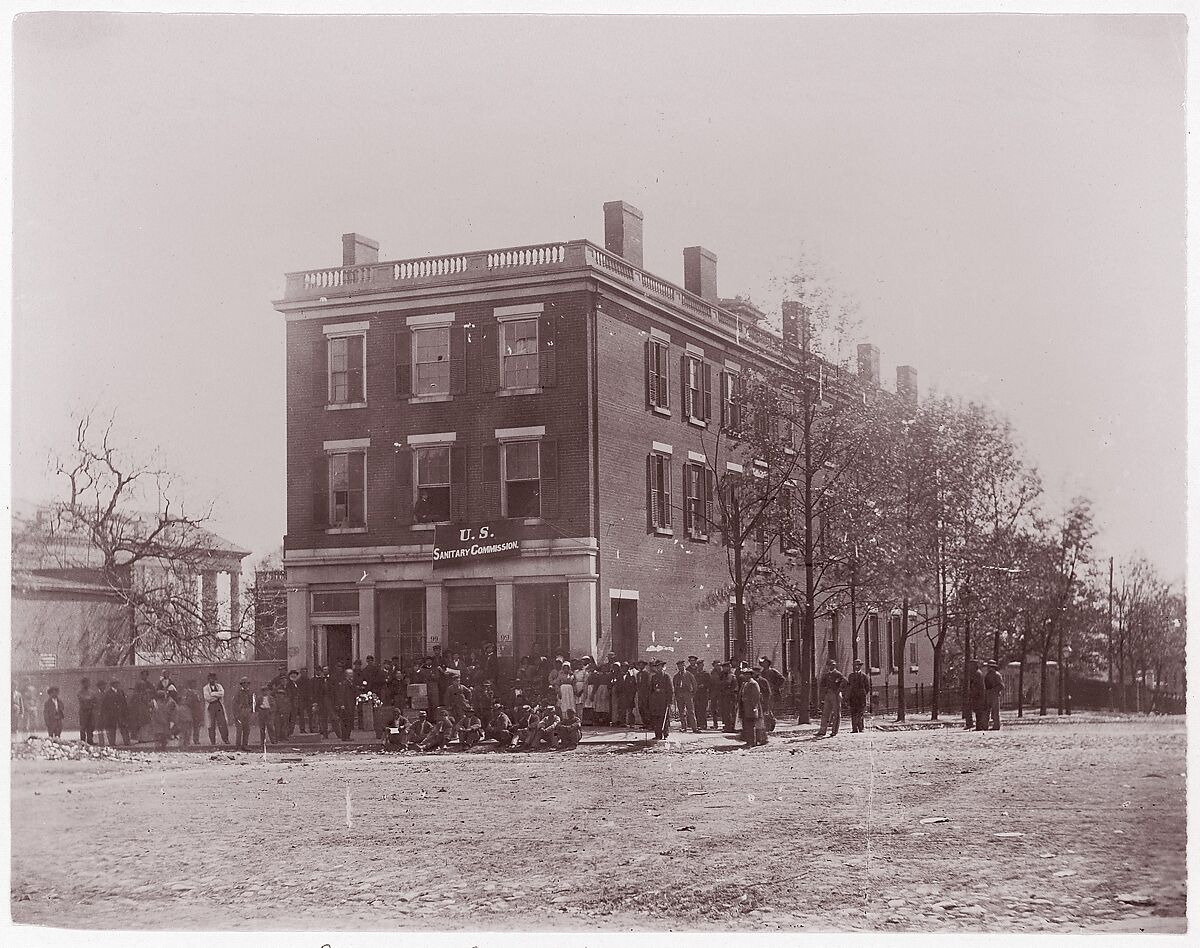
(507, 447)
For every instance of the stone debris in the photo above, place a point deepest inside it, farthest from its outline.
(1130, 898)
(936, 819)
(1008, 835)
(48, 748)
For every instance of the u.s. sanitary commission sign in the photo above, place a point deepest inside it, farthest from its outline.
(458, 545)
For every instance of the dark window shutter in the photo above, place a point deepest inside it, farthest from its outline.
(321, 371)
(735, 412)
(402, 354)
(491, 481)
(404, 486)
(651, 377)
(687, 409)
(489, 356)
(689, 524)
(706, 380)
(651, 495)
(320, 475)
(724, 381)
(458, 482)
(666, 490)
(549, 480)
(547, 351)
(458, 360)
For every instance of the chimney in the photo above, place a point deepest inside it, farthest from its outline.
(795, 324)
(623, 231)
(358, 249)
(906, 384)
(868, 364)
(700, 273)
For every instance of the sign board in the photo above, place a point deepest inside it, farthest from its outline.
(460, 545)
(48, 660)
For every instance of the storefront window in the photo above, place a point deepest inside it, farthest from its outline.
(542, 619)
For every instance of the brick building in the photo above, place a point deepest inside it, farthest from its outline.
(537, 417)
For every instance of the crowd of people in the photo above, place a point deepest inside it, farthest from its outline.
(431, 703)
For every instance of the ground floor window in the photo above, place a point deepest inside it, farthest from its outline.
(541, 619)
(401, 624)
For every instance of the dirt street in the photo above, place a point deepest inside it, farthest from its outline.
(1037, 828)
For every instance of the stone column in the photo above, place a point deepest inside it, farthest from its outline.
(506, 639)
(581, 611)
(235, 603)
(299, 630)
(208, 597)
(366, 643)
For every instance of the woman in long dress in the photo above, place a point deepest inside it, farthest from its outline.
(566, 689)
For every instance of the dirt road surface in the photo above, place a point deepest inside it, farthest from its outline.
(1035, 828)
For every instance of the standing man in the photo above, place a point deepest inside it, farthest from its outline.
(643, 692)
(829, 688)
(245, 705)
(214, 708)
(659, 702)
(993, 684)
(53, 711)
(732, 696)
(858, 687)
(319, 695)
(766, 721)
(87, 712)
(684, 686)
(750, 701)
(122, 706)
(344, 700)
(976, 713)
(292, 715)
(191, 698)
(775, 679)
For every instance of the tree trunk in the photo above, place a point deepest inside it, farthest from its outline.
(853, 624)
(966, 659)
(934, 701)
(1021, 671)
(739, 606)
(1061, 669)
(1043, 702)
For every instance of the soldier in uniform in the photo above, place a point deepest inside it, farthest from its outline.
(500, 727)
(684, 686)
(470, 728)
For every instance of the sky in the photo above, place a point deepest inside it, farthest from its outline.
(1004, 197)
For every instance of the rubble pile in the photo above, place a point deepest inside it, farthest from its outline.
(48, 748)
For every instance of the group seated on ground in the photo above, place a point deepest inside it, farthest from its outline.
(535, 727)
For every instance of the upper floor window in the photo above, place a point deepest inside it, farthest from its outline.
(431, 361)
(346, 375)
(348, 489)
(432, 503)
(731, 409)
(697, 389)
(697, 500)
(522, 477)
(658, 383)
(519, 353)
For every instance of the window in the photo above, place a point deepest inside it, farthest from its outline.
(519, 353)
(346, 369)
(335, 601)
(432, 504)
(658, 383)
(542, 618)
(788, 541)
(431, 360)
(659, 482)
(522, 479)
(698, 501)
(788, 413)
(347, 490)
(731, 411)
(873, 651)
(912, 654)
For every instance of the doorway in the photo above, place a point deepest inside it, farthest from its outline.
(471, 614)
(339, 647)
(625, 629)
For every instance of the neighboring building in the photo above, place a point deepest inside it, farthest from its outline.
(537, 416)
(66, 613)
(270, 615)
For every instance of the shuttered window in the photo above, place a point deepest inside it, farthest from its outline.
(658, 480)
(658, 382)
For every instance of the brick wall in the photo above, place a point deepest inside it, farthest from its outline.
(473, 414)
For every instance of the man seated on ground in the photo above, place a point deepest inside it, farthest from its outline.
(527, 727)
(568, 732)
(548, 721)
(500, 728)
(470, 728)
(419, 730)
(442, 733)
(395, 731)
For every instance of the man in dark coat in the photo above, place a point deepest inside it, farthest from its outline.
(775, 679)
(87, 712)
(53, 712)
(318, 692)
(343, 700)
(993, 687)
(304, 714)
(659, 703)
(829, 692)
(683, 684)
(766, 721)
(500, 727)
(858, 687)
(112, 714)
(730, 697)
(976, 711)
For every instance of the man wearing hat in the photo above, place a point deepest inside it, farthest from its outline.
(829, 690)
(500, 727)
(700, 698)
(53, 712)
(659, 703)
(684, 685)
(470, 728)
(749, 705)
(993, 684)
(858, 687)
(214, 707)
(644, 674)
(730, 691)
(245, 705)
